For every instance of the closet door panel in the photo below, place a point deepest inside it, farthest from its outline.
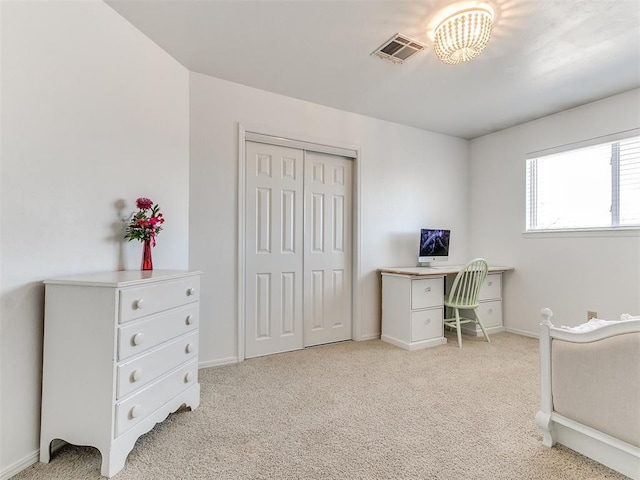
(274, 249)
(327, 248)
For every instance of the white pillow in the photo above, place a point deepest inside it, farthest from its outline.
(626, 316)
(592, 324)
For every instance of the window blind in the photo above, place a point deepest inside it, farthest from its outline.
(629, 182)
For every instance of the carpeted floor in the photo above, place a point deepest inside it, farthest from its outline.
(354, 410)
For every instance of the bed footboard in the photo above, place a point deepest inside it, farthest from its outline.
(590, 391)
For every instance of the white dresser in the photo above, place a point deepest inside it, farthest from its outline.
(120, 354)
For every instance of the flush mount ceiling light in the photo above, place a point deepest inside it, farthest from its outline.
(463, 35)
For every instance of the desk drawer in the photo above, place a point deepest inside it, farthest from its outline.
(491, 288)
(140, 336)
(427, 292)
(152, 397)
(490, 313)
(146, 368)
(426, 324)
(147, 300)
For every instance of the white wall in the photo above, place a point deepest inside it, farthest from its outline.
(407, 178)
(569, 273)
(92, 112)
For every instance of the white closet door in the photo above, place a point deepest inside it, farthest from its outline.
(327, 248)
(274, 249)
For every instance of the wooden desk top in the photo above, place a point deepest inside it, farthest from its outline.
(433, 271)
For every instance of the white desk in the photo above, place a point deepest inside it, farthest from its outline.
(413, 304)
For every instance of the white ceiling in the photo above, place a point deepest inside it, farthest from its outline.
(544, 56)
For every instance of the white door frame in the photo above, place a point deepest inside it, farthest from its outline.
(268, 135)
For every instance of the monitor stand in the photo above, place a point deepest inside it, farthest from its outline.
(424, 264)
(434, 264)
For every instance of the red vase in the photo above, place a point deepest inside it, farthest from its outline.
(147, 262)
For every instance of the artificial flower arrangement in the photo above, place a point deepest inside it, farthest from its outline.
(146, 223)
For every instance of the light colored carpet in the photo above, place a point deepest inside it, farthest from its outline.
(354, 410)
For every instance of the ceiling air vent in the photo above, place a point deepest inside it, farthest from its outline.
(398, 48)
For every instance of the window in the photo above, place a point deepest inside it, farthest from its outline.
(591, 185)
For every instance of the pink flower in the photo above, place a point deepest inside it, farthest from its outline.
(144, 203)
(146, 223)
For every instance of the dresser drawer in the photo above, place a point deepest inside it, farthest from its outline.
(149, 299)
(426, 324)
(427, 292)
(491, 288)
(140, 336)
(147, 367)
(131, 411)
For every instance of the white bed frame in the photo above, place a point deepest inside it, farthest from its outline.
(612, 452)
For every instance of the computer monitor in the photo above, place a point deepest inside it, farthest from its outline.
(434, 245)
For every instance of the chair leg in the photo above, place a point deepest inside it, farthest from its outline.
(458, 330)
(484, 332)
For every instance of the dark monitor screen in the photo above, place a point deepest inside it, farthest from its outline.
(434, 242)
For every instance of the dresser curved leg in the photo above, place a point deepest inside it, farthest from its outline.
(114, 458)
(45, 449)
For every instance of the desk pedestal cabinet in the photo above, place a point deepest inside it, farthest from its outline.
(412, 310)
(120, 355)
(490, 309)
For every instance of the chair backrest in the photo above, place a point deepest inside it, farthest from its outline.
(466, 286)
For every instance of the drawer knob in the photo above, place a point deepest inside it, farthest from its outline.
(189, 320)
(427, 321)
(188, 377)
(137, 339)
(191, 291)
(139, 304)
(428, 289)
(490, 311)
(135, 411)
(189, 348)
(490, 283)
(136, 375)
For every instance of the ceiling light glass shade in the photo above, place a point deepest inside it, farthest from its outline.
(463, 35)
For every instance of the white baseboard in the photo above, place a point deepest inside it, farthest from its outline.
(522, 332)
(218, 363)
(29, 460)
(231, 360)
(20, 465)
(371, 336)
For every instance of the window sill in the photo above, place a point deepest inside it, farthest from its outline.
(584, 232)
